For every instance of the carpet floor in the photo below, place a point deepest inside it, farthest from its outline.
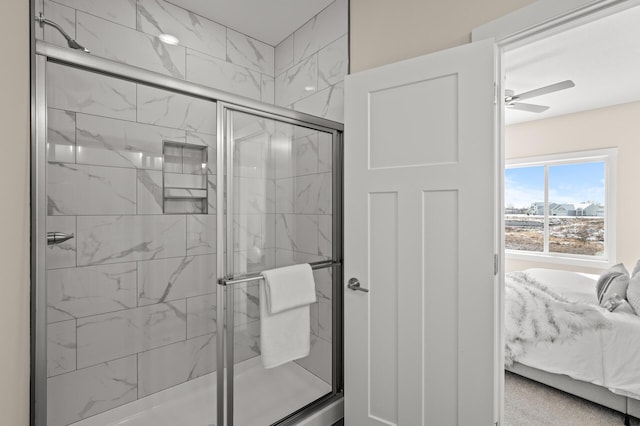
(529, 403)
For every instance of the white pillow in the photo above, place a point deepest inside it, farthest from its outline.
(617, 304)
(624, 307)
(633, 291)
(614, 280)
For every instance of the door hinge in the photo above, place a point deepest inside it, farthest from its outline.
(496, 264)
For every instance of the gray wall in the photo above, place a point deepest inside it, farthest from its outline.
(14, 219)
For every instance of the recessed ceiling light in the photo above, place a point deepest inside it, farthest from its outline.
(169, 39)
(309, 88)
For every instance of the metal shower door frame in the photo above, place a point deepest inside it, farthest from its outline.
(44, 53)
(225, 258)
(38, 249)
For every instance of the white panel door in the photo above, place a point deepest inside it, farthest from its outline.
(420, 158)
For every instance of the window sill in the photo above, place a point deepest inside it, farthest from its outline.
(600, 263)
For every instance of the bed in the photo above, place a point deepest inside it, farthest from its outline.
(596, 353)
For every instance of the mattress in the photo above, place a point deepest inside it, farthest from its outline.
(608, 357)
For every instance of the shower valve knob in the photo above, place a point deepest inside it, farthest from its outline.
(54, 238)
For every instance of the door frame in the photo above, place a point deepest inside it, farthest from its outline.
(536, 21)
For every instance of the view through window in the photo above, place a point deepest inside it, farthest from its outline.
(556, 207)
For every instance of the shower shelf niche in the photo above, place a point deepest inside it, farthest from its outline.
(184, 178)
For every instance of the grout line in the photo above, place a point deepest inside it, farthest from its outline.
(324, 47)
(186, 320)
(137, 376)
(75, 137)
(137, 16)
(93, 15)
(138, 108)
(226, 44)
(139, 123)
(137, 184)
(76, 326)
(186, 68)
(103, 362)
(75, 239)
(137, 284)
(317, 55)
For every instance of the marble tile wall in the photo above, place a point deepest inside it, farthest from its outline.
(319, 361)
(304, 72)
(308, 230)
(283, 216)
(89, 391)
(131, 298)
(303, 196)
(254, 224)
(283, 194)
(311, 63)
(126, 31)
(136, 284)
(254, 195)
(310, 67)
(303, 203)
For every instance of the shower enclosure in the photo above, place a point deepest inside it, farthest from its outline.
(156, 205)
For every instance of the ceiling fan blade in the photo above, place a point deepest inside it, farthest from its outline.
(528, 107)
(545, 90)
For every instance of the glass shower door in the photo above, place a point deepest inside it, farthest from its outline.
(131, 296)
(281, 214)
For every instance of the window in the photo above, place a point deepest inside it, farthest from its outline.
(561, 207)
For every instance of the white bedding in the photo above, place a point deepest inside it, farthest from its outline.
(608, 357)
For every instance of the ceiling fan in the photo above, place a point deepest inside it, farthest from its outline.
(513, 101)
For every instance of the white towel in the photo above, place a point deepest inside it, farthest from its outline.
(286, 334)
(289, 287)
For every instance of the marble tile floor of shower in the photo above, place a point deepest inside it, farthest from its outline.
(262, 397)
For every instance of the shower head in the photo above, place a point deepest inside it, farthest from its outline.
(75, 45)
(70, 42)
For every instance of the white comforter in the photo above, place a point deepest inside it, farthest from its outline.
(608, 357)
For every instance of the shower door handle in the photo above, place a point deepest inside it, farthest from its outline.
(57, 238)
(354, 285)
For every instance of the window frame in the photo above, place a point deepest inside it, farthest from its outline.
(609, 157)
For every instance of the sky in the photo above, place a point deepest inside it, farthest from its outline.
(568, 183)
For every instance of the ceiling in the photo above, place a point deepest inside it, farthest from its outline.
(270, 21)
(602, 58)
